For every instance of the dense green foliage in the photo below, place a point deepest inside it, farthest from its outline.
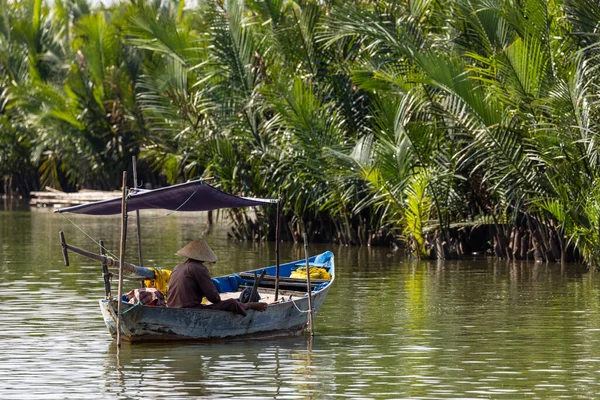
(371, 118)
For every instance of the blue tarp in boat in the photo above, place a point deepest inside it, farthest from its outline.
(190, 196)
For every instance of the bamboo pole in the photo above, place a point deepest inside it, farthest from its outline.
(122, 256)
(137, 215)
(310, 308)
(277, 248)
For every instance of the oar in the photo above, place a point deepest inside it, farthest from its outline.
(145, 272)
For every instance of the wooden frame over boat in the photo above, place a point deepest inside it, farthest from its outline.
(291, 303)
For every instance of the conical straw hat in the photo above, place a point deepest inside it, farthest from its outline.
(198, 250)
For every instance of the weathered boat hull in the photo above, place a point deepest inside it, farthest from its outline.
(146, 323)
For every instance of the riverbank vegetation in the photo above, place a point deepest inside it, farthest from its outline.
(452, 125)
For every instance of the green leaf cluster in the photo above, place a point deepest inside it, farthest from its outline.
(372, 119)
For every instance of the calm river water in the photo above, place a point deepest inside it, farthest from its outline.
(390, 328)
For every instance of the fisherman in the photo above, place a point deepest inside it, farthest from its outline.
(190, 282)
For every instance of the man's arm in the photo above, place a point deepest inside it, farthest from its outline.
(207, 287)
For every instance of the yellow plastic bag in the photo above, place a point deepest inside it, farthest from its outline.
(161, 281)
(315, 273)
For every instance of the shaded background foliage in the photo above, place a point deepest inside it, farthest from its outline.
(374, 120)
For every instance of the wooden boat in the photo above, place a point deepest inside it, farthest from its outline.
(291, 305)
(289, 315)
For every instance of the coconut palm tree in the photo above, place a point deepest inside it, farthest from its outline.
(369, 117)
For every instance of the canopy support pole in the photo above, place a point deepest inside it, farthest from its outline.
(137, 215)
(122, 256)
(277, 249)
(310, 307)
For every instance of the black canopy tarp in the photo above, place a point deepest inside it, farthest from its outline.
(190, 196)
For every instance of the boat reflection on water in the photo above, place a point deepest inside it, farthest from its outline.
(260, 368)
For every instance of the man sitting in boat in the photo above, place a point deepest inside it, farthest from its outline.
(190, 282)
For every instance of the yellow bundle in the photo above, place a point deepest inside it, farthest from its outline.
(160, 281)
(315, 272)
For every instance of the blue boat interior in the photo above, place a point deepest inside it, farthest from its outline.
(234, 282)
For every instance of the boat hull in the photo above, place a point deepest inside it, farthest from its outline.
(147, 323)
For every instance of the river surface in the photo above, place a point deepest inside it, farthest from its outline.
(390, 327)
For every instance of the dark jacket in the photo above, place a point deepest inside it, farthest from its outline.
(189, 283)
